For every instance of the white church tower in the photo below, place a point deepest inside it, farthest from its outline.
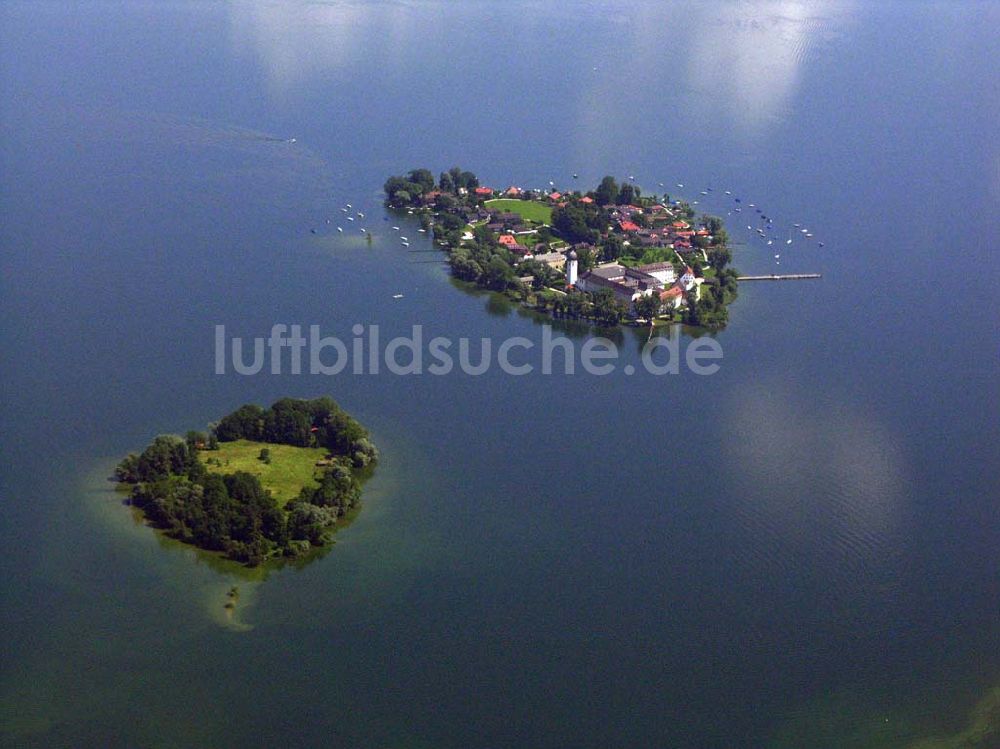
(571, 268)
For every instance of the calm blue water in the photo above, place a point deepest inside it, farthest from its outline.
(801, 550)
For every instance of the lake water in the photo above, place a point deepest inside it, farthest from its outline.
(801, 550)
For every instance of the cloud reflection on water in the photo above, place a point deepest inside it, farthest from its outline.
(298, 42)
(748, 58)
(832, 473)
(742, 60)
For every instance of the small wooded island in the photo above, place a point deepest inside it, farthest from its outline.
(262, 484)
(606, 255)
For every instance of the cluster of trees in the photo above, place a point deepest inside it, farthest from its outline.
(233, 513)
(485, 262)
(720, 237)
(609, 193)
(648, 307)
(711, 310)
(406, 190)
(719, 257)
(601, 307)
(304, 423)
(449, 229)
(580, 222)
(544, 276)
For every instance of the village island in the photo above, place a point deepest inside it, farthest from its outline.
(262, 485)
(610, 255)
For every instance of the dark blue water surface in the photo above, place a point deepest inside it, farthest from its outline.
(800, 550)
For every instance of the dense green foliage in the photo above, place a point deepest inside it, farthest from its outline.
(233, 513)
(579, 222)
(407, 190)
(716, 293)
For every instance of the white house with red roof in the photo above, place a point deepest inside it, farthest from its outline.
(676, 295)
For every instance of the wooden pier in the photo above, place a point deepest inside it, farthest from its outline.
(776, 277)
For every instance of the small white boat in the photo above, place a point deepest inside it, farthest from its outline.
(422, 231)
(809, 236)
(350, 218)
(349, 205)
(344, 210)
(788, 242)
(661, 184)
(397, 296)
(406, 244)
(728, 192)
(777, 256)
(360, 214)
(405, 239)
(679, 184)
(340, 230)
(396, 228)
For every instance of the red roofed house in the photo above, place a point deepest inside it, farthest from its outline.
(507, 239)
(483, 191)
(680, 225)
(676, 294)
(628, 226)
(513, 191)
(555, 195)
(586, 199)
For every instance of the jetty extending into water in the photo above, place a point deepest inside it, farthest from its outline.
(776, 277)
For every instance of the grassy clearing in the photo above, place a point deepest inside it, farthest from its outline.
(529, 210)
(290, 468)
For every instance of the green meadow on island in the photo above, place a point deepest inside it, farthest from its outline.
(608, 255)
(261, 485)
